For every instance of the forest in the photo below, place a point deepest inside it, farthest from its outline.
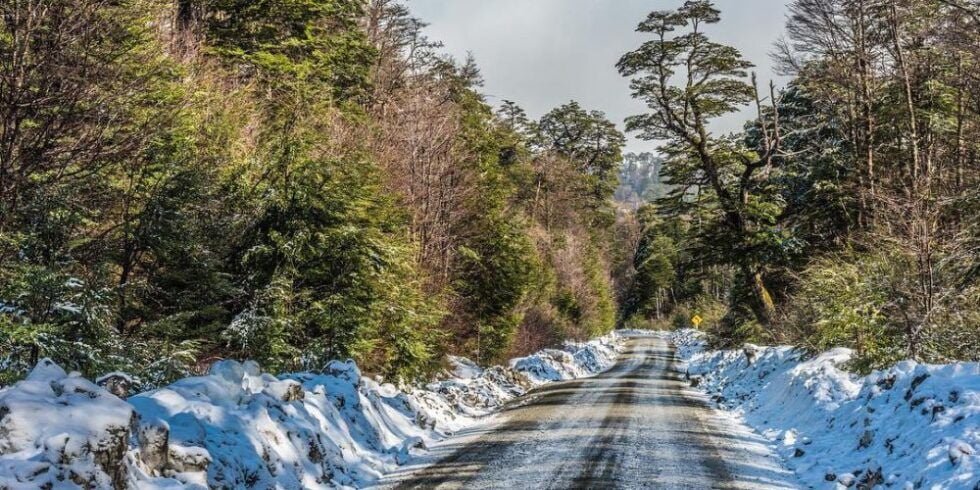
(291, 182)
(295, 181)
(845, 213)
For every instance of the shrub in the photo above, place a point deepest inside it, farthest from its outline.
(842, 301)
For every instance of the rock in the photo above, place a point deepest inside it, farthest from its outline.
(890, 444)
(345, 370)
(425, 421)
(64, 447)
(695, 381)
(315, 452)
(751, 352)
(185, 451)
(153, 438)
(188, 459)
(916, 381)
(109, 452)
(118, 384)
(293, 393)
(847, 480)
(887, 382)
(871, 479)
(287, 390)
(830, 476)
(958, 449)
(798, 453)
(866, 439)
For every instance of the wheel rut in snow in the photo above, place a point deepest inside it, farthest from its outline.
(638, 425)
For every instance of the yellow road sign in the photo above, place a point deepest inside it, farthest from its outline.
(696, 320)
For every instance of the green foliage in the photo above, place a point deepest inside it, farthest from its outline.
(666, 273)
(495, 273)
(655, 268)
(48, 313)
(588, 139)
(300, 180)
(295, 41)
(175, 192)
(726, 183)
(842, 301)
(602, 317)
(720, 88)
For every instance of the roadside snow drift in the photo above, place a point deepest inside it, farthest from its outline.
(238, 427)
(912, 426)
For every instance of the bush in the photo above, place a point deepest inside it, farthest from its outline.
(841, 301)
(637, 322)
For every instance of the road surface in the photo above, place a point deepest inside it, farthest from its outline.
(638, 425)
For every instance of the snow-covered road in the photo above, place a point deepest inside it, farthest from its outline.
(638, 425)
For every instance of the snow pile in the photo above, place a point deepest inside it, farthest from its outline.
(52, 417)
(574, 361)
(911, 426)
(238, 427)
(475, 392)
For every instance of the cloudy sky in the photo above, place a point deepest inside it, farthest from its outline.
(543, 53)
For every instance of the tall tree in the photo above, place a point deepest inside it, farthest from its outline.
(587, 138)
(688, 80)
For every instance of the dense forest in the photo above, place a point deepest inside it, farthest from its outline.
(285, 181)
(302, 180)
(846, 212)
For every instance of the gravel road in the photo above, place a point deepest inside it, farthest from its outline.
(638, 425)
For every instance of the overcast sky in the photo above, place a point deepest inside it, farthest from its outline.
(543, 53)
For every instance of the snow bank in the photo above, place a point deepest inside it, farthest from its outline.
(575, 361)
(474, 392)
(238, 427)
(911, 426)
(54, 417)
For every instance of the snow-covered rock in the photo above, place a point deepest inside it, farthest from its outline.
(57, 427)
(911, 426)
(238, 427)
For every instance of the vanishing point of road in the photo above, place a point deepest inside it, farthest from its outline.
(637, 425)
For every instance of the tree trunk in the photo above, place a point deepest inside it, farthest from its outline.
(762, 304)
(185, 14)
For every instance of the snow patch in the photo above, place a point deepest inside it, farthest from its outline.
(911, 426)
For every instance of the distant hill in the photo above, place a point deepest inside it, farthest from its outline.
(639, 179)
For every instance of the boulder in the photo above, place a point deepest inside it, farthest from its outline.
(153, 438)
(118, 384)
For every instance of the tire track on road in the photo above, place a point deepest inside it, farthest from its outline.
(638, 425)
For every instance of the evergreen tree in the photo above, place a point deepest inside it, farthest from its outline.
(688, 80)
